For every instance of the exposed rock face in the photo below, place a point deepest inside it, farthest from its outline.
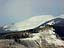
(46, 38)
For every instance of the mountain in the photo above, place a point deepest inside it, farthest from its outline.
(58, 24)
(46, 37)
(29, 23)
(34, 22)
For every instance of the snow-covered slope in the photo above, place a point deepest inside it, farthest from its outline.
(29, 24)
(33, 22)
(46, 37)
(43, 39)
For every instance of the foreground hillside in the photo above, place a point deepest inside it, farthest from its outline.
(43, 39)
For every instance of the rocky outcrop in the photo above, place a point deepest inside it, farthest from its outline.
(46, 38)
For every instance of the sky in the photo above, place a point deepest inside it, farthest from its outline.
(18, 10)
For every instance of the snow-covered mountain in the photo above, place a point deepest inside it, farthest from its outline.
(28, 24)
(34, 22)
(46, 36)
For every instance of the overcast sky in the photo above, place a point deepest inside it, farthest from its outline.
(19, 10)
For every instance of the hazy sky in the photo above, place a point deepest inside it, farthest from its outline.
(19, 10)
